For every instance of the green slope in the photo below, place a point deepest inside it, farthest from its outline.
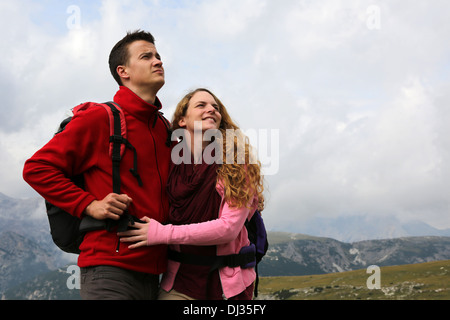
(424, 281)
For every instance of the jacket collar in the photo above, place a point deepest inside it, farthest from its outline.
(134, 105)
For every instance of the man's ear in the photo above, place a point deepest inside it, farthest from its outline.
(122, 72)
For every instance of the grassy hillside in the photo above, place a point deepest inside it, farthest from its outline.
(424, 281)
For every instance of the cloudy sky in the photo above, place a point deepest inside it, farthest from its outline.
(350, 98)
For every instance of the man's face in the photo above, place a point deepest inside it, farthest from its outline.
(144, 66)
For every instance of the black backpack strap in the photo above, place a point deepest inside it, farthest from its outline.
(215, 262)
(117, 139)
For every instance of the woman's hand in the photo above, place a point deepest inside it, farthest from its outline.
(138, 235)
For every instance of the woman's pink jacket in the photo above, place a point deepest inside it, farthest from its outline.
(227, 232)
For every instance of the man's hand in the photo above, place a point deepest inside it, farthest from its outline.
(111, 207)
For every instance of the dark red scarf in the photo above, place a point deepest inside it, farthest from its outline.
(192, 193)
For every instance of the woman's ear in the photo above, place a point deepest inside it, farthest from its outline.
(182, 123)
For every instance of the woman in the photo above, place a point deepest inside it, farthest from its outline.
(209, 206)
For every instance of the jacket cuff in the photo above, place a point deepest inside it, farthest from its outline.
(79, 210)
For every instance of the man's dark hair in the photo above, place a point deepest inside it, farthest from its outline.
(119, 54)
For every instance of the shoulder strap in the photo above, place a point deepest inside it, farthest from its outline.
(117, 127)
(118, 143)
(117, 134)
(117, 123)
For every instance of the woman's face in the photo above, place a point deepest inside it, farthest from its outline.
(202, 113)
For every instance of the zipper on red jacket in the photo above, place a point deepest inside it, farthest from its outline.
(118, 245)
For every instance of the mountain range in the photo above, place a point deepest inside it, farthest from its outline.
(32, 267)
(298, 254)
(27, 275)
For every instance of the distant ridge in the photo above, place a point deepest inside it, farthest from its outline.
(296, 254)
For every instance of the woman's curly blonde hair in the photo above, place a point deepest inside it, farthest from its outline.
(242, 178)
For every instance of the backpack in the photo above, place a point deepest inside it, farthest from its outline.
(257, 235)
(249, 256)
(68, 231)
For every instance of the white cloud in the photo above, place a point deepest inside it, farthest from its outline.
(362, 113)
(385, 162)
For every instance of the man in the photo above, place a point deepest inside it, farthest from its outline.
(109, 270)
